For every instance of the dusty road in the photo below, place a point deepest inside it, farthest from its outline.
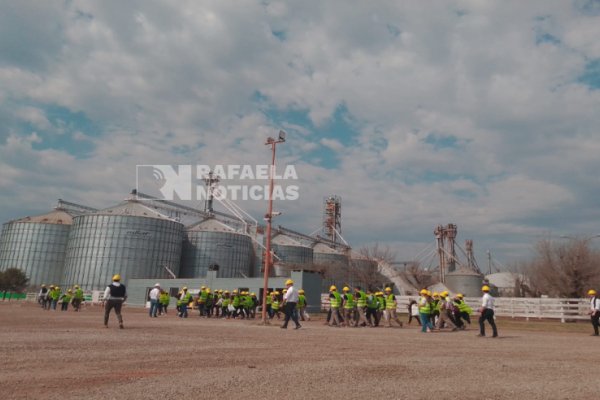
(67, 355)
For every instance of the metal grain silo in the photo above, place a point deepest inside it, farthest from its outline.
(130, 239)
(289, 254)
(37, 245)
(465, 281)
(212, 242)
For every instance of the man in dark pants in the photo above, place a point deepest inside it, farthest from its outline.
(487, 312)
(114, 297)
(290, 299)
(594, 310)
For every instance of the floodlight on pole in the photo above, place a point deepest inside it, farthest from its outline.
(269, 218)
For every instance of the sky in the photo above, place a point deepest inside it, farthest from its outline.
(417, 113)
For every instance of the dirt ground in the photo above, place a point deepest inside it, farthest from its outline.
(67, 355)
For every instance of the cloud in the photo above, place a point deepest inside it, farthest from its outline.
(463, 112)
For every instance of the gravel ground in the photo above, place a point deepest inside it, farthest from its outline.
(67, 355)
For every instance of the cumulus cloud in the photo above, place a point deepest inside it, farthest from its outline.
(467, 112)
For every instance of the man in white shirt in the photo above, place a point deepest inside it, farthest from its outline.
(487, 312)
(154, 299)
(594, 310)
(290, 299)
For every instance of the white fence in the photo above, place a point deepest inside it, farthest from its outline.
(514, 307)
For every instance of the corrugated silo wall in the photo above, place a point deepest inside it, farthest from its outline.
(135, 247)
(298, 255)
(38, 249)
(233, 253)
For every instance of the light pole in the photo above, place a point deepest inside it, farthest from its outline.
(269, 217)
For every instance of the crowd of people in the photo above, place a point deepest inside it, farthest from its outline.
(50, 297)
(350, 308)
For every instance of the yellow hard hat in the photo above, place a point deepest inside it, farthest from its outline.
(234, 291)
(284, 290)
(226, 292)
(346, 289)
(459, 295)
(184, 288)
(252, 294)
(485, 288)
(301, 291)
(436, 294)
(429, 293)
(116, 277)
(379, 294)
(76, 286)
(332, 288)
(57, 287)
(423, 292)
(289, 282)
(69, 291)
(444, 293)
(591, 292)
(220, 290)
(203, 287)
(43, 285)
(388, 289)
(276, 292)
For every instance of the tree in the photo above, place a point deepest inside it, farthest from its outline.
(566, 269)
(13, 280)
(417, 276)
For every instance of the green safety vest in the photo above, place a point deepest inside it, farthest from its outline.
(66, 298)
(424, 309)
(56, 295)
(164, 299)
(390, 302)
(185, 299)
(269, 300)
(381, 303)
(275, 305)
(249, 302)
(372, 302)
(301, 300)
(225, 302)
(79, 294)
(463, 307)
(236, 301)
(436, 306)
(336, 302)
(203, 297)
(361, 299)
(349, 301)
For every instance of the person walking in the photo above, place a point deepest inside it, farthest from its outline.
(335, 302)
(413, 312)
(154, 296)
(77, 298)
(349, 307)
(594, 310)
(446, 312)
(290, 299)
(425, 311)
(185, 298)
(391, 305)
(361, 307)
(302, 304)
(372, 307)
(487, 312)
(115, 295)
(164, 299)
(43, 296)
(65, 300)
(55, 295)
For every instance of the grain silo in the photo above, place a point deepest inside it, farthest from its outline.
(465, 281)
(289, 254)
(37, 245)
(130, 239)
(212, 242)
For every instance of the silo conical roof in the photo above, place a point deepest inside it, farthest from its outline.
(210, 225)
(57, 216)
(133, 208)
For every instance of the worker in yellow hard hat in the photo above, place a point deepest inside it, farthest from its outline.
(290, 301)
(183, 301)
(487, 312)
(275, 305)
(301, 306)
(425, 311)
(446, 315)
(349, 306)
(594, 310)
(391, 306)
(115, 295)
(335, 302)
(462, 311)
